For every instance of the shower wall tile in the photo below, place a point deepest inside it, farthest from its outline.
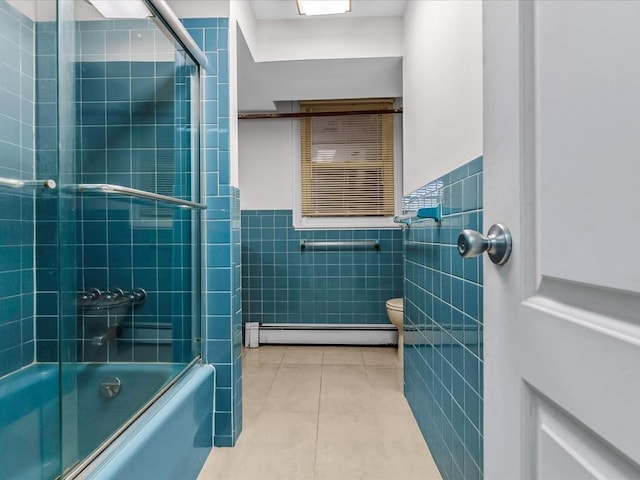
(283, 283)
(223, 318)
(443, 323)
(46, 242)
(115, 149)
(17, 161)
(132, 118)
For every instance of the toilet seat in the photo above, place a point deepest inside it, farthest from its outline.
(396, 304)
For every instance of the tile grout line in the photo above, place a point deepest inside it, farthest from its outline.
(270, 388)
(272, 383)
(315, 453)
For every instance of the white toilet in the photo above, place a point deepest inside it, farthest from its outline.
(395, 307)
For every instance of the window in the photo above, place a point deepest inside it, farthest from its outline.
(347, 161)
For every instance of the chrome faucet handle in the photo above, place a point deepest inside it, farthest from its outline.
(93, 293)
(137, 296)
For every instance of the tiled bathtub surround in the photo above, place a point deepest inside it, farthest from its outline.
(128, 133)
(444, 324)
(17, 87)
(46, 257)
(131, 111)
(284, 284)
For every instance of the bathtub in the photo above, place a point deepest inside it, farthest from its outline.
(106, 395)
(29, 427)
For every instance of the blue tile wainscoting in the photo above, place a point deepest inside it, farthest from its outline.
(284, 284)
(17, 280)
(444, 325)
(222, 345)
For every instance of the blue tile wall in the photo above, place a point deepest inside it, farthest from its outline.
(236, 310)
(111, 253)
(283, 283)
(17, 280)
(223, 319)
(46, 201)
(444, 325)
(132, 129)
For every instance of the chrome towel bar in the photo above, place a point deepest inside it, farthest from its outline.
(15, 183)
(372, 243)
(132, 192)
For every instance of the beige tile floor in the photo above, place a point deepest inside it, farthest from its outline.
(326, 413)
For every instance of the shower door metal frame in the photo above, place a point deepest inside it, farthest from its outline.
(197, 226)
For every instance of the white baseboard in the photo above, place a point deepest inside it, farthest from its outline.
(327, 334)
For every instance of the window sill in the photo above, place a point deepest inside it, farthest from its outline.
(342, 223)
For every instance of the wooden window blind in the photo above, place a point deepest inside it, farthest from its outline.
(347, 165)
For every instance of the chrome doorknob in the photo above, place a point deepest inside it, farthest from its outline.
(497, 243)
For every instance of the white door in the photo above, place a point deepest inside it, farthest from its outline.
(562, 171)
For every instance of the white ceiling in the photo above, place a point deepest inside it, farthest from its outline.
(287, 10)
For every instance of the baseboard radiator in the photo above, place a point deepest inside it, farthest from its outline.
(327, 334)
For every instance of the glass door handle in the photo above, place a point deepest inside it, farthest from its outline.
(16, 183)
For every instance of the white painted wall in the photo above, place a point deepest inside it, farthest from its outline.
(36, 10)
(200, 9)
(326, 38)
(442, 88)
(318, 39)
(233, 102)
(263, 83)
(243, 15)
(266, 151)
(313, 58)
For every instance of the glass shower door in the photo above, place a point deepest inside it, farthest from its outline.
(129, 221)
(29, 405)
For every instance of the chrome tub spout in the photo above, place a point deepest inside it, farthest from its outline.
(113, 332)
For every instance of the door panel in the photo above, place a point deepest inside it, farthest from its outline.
(562, 333)
(566, 450)
(587, 95)
(585, 365)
